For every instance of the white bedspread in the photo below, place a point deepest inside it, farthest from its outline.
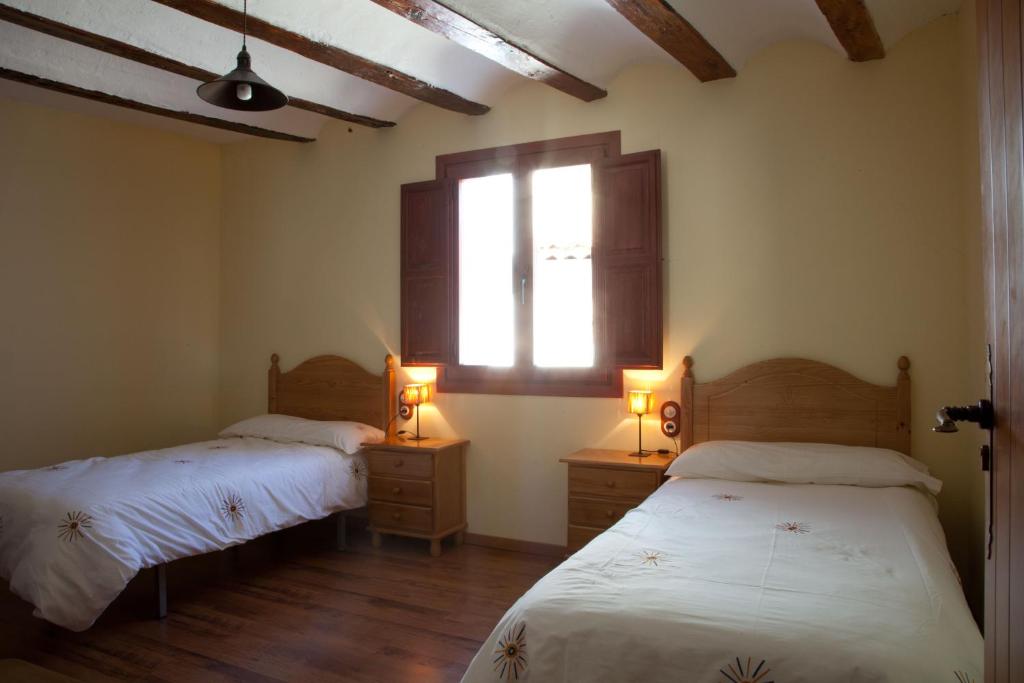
(72, 536)
(719, 581)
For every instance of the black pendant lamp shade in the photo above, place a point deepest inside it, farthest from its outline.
(242, 89)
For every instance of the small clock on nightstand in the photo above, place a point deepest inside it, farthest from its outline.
(418, 489)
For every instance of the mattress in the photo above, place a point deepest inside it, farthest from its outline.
(712, 580)
(73, 535)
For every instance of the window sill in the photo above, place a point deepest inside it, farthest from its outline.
(585, 383)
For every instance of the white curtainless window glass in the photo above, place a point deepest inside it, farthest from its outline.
(563, 276)
(486, 251)
(498, 288)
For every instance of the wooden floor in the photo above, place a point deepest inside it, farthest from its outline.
(289, 608)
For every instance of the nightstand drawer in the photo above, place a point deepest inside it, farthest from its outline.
(401, 517)
(596, 513)
(419, 465)
(579, 536)
(407, 491)
(604, 482)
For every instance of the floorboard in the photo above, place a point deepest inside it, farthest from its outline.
(289, 608)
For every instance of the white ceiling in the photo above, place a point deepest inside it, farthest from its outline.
(587, 38)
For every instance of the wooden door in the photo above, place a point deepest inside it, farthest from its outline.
(1002, 161)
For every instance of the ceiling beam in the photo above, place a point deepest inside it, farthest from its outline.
(226, 17)
(438, 18)
(68, 89)
(852, 23)
(136, 54)
(676, 36)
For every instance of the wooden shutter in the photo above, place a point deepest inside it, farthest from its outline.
(627, 259)
(428, 271)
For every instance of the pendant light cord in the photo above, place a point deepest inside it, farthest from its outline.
(245, 20)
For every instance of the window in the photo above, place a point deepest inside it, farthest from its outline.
(535, 268)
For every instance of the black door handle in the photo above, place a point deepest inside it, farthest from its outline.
(980, 413)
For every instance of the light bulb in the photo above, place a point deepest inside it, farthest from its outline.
(243, 91)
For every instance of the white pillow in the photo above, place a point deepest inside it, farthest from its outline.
(344, 436)
(801, 463)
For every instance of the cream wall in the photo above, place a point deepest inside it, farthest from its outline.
(975, 360)
(813, 207)
(109, 286)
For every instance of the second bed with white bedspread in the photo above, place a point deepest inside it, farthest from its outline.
(724, 581)
(73, 535)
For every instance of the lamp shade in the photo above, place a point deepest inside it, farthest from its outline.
(415, 394)
(242, 89)
(640, 402)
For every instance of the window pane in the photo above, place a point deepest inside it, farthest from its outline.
(486, 297)
(563, 296)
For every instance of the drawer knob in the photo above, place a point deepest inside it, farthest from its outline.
(396, 490)
(610, 484)
(399, 463)
(396, 515)
(610, 514)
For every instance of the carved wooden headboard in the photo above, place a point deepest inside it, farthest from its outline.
(334, 388)
(791, 399)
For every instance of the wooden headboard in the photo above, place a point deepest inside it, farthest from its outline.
(791, 399)
(334, 388)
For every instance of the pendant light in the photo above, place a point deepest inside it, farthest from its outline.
(242, 89)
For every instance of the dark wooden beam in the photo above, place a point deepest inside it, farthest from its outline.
(432, 15)
(68, 89)
(852, 23)
(136, 54)
(226, 17)
(676, 36)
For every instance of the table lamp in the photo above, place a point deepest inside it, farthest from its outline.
(640, 403)
(414, 395)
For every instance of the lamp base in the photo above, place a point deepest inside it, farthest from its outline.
(416, 438)
(640, 454)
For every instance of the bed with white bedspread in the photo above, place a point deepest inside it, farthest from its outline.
(723, 581)
(75, 534)
(800, 543)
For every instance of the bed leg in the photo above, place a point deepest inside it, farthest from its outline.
(161, 591)
(341, 532)
(234, 557)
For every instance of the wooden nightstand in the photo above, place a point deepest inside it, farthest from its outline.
(606, 484)
(418, 489)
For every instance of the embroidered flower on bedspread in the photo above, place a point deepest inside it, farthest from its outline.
(510, 654)
(794, 527)
(357, 469)
(963, 677)
(183, 462)
(727, 496)
(216, 447)
(233, 507)
(628, 563)
(746, 673)
(70, 528)
(652, 558)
